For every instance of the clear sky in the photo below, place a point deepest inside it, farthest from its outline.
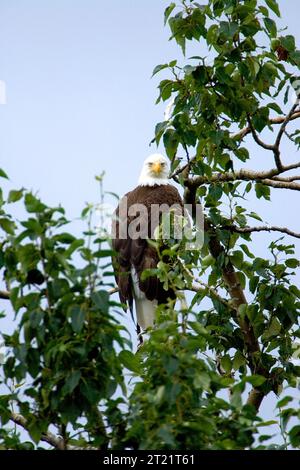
(80, 98)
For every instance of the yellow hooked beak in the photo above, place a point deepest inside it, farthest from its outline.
(156, 167)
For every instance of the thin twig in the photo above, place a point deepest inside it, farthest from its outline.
(257, 139)
(284, 124)
(272, 228)
(246, 130)
(113, 290)
(4, 294)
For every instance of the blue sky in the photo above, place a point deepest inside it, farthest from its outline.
(80, 98)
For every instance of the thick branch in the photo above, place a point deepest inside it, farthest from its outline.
(255, 398)
(56, 442)
(235, 291)
(243, 175)
(4, 294)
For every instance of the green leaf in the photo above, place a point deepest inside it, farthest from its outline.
(271, 27)
(168, 11)
(7, 225)
(292, 263)
(212, 34)
(33, 204)
(274, 328)
(36, 317)
(71, 382)
(202, 380)
(130, 361)
(101, 300)
(256, 380)
(171, 142)
(228, 29)
(158, 68)
(253, 283)
(226, 363)
(261, 117)
(103, 253)
(3, 174)
(255, 216)
(295, 57)
(247, 251)
(294, 436)
(65, 238)
(286, 94)
(284, 401)
(77, 318)
(165, 433)
(242, 154)
(159, 130)
(77, 243)
(262, 191)
(238, 360)
(274, 6)
(15, 195)
(275, 107)
(288, 42)
(35, 432)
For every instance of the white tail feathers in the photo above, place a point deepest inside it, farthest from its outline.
(145, 312)
(145, 309)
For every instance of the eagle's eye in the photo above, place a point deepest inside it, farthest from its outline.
(150, 164)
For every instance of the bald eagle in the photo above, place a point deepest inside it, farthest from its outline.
(135, 223)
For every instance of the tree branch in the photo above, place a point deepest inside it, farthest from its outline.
(274, 228)
(203, 288)
(56, 442)
(279, 120)
(240, 136)
(257, 139)
(281, 184)
(287, 178)
(255, 398)
(235, 291)
(243, 175)
(284, 124)
(276, 147)
(4, 294)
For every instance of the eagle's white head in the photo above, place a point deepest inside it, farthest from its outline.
(155, 170)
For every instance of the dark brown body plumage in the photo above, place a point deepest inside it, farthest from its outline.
(139, 253)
